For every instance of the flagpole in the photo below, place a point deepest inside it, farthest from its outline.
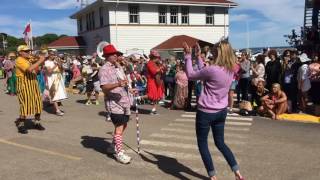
(31, 41)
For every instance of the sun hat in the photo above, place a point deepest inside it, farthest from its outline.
(23, 48)
(11, 54)
(154, 53)
(304, 58)
(110, 50)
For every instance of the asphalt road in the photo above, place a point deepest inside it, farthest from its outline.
(75, 146)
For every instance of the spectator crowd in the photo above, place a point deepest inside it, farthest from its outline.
(269, 84)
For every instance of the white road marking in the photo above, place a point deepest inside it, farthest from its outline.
(194, 139)
(188, 115)
(169, 144)
(232, 135)
(185, 120)
(178, 130)
(236, 129)
(176, 155)
(190, 112)
(238, 123)
(239, 118)
(66, 156)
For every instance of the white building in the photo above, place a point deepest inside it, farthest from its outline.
(143, 24)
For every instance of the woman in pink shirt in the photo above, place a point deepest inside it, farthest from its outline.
(76, 76)
(181, 92)
(213, 102)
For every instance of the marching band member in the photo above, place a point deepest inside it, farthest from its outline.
(117, 99)
(55, 82)
(28, 91)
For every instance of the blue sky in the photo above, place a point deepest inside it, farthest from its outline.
(263, 21)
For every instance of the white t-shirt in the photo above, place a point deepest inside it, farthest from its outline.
(303, 77)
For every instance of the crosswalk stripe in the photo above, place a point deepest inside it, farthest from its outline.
(184, 120)
(238, 123)
(182, 125)
(228, 118)
(233, 135)
(176, 155)
(240, 118)
(194, 139)
(233, 114)
(229, 114)
(190, 112)
(188, 115)
(169, 144)
(236, 129)
(179, 130)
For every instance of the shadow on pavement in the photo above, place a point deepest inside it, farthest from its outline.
(103, 113)
(171, 166)
(98, 144)
(81, 101)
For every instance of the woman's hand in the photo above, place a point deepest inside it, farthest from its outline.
(186, 48)
(197, 50)
(133, 91)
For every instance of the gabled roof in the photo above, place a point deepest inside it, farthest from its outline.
(217, 3)
(68, 41)
(175, 43)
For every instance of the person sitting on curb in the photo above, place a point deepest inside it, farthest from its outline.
(275, 103)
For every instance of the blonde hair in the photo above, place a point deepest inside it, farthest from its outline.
(225, 57)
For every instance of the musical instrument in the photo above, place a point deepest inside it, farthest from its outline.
(100, 47)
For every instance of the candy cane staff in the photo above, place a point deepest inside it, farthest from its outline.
(138, 128)
(116, 99)
(122, 76)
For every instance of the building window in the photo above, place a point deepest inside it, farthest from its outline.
(134, 14)
(210, 16)
(174, 15)
(162, 15)
(101, 16)
(80, 24)
(184, 15)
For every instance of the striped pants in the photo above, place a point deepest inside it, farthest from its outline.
(28, 93)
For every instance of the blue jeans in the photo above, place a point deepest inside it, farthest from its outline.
(216, 121)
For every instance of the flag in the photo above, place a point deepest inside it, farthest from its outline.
(28, 35)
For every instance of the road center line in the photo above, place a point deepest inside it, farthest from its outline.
(66, 156)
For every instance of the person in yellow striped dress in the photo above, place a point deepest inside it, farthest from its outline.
(28, 91)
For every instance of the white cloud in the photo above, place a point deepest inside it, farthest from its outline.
(239, 17)
(15, 27)
(59, 26)
(7, 20)
(289, 11)
(279, 18)
(59, 4)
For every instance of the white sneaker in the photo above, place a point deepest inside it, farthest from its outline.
(88, 103)
(123, 158)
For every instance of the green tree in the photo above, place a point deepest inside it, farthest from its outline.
(45, 39)
(294, 39)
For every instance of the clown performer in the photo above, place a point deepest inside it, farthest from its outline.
(117, 100)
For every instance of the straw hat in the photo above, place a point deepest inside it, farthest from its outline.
(11, 54)
(23, 48)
